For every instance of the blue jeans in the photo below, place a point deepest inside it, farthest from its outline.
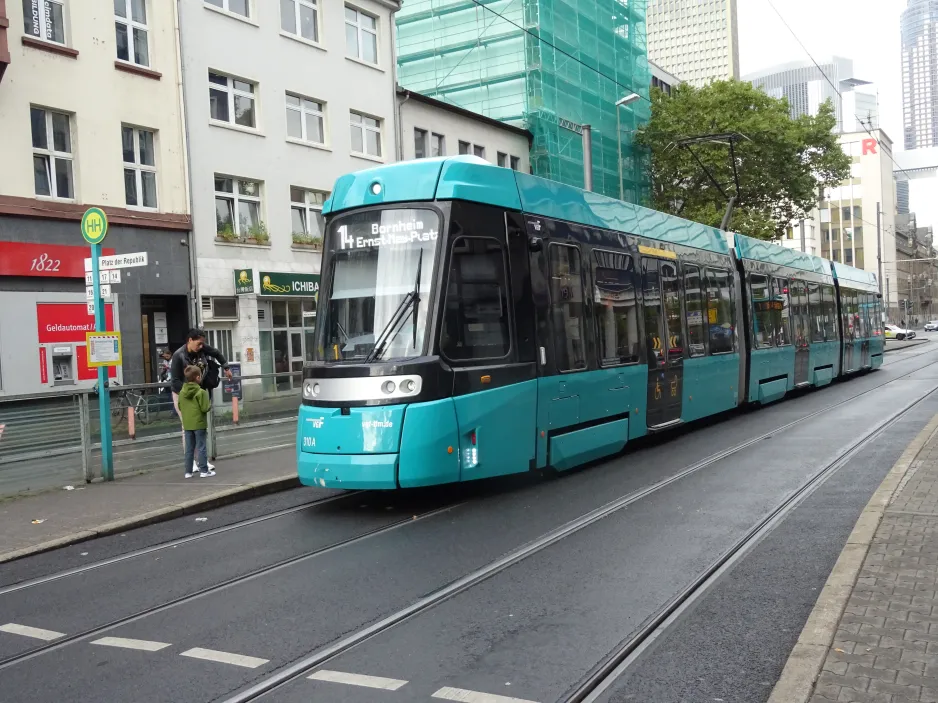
(195, 445)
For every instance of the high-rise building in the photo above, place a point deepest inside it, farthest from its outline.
(902, 196)
(919, 25)
(807, 86)
(549, 66)
(697, 40)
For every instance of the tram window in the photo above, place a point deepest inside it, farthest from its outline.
(720, 311)
(781, 311)
(671, 288)
(616, 311)
(849, 304)
(651, 298)
(475, 321)
(815, 312)
(694, 304)
(566, 296)
(866, 314)
(829, 313)
(762, 326)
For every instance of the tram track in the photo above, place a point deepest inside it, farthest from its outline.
(607, 672)
(227, 583)
(459, 585)
(302, 667)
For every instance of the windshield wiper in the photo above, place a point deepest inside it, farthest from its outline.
(400, 314)
(416, 297)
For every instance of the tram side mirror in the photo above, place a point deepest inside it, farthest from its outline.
(535, 244)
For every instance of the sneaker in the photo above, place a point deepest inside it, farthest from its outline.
(195, 467)
(206, 474)
(189, 474)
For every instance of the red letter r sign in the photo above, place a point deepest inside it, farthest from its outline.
(869, 146)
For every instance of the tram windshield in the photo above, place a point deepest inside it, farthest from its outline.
(377, 306)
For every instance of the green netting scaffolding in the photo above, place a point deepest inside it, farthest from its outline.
(546, 65)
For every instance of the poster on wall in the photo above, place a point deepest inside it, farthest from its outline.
(160, 330)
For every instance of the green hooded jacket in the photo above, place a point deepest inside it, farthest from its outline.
(193, 405)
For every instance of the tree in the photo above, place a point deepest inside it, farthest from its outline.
(782, 162)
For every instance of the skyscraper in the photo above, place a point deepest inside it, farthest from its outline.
(806, 86)
(550, 66)
(919, 25)
(695, 39)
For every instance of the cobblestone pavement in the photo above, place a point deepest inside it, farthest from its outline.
(886, 646)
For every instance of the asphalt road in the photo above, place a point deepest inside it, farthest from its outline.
(203, 619)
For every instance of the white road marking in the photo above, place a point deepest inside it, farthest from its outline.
(358, 680)
(125, 643)
(461, 694)
(213, 655)
(34, 632)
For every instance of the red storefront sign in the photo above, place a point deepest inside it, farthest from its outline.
(68, 322)
(43, 366)
(44, 260)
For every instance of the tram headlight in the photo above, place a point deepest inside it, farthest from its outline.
(315, 389)
(408, 386)
(310, 389)
(388, 387)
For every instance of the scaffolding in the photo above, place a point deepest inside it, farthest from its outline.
(549, 66)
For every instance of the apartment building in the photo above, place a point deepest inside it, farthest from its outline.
(89, 116)
(281, 99)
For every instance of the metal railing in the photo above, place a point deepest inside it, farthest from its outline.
(54, 440)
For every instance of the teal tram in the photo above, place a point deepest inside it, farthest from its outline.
(474, 321)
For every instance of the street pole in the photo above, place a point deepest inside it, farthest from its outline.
(587, 158)
(804, 249)
(619, 143)
(879, 252)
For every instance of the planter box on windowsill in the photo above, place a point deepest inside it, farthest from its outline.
(307, 247)
(238, 242)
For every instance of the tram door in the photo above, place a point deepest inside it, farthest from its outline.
(801, 319)
(866, 327)
(663, 341)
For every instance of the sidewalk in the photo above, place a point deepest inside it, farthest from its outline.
(873, 633)
(89, 510)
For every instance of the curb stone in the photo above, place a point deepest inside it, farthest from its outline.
(796, 684)
(214, 500)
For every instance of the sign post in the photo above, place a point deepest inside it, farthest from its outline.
(93, 229)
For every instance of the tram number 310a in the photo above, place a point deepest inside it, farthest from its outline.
(45, 263)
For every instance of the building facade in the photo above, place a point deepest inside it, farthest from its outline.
(90, 115)
(431, 128)
(661, 79)
(807, 86)
(917, 270)
(918, 25)
(697, 40)
(512, 62)
(286, 98)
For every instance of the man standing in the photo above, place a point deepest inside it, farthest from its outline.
(195, 352)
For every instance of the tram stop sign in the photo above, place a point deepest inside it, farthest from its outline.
(94, 225)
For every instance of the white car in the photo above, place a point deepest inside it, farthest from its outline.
(931, 326)
(897, 333)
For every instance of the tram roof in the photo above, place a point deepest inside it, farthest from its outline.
(760, 250)
(866, 280)
(473, 179)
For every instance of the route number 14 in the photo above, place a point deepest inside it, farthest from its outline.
(44, 263)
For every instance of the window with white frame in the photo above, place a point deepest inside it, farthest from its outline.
(300, 17)
(44, 19)
(420, 143)
(238, 7)
(305, 119)
(361, 35)
(138, 146)
(306, 215)
(130, 23)
(238, 208)
(437, 145)
(52, 153)
(366, 134)
(231, 100)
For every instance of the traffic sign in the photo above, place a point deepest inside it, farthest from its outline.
(104, 348)
(120, 261)
(91, 307)
(94, 225)
(105, 291)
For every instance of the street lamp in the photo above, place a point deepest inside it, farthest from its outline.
(627, 100)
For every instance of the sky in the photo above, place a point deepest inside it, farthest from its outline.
(866, 31)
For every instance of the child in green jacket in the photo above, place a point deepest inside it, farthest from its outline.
(193, 407)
